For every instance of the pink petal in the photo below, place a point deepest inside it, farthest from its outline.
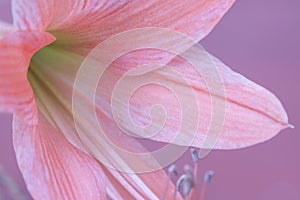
(251, 113)
(5, 28)
(52, 167)
(53, 86)
(16, 51)
(90, 22)
(27, 132)
(125, 153)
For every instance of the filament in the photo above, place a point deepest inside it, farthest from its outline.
(171, 170)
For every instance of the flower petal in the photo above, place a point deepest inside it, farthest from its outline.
(90, 22)
(250, 113)
(253, 114)
(53, 86)
(16, 51)
(4, 29)
(52, 167)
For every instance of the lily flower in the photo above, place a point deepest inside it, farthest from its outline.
(40, 54)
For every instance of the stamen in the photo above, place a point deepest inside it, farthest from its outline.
(187, 186)
(174, 194)
(180, 182)
(194, 155)
(207, 179)
(186, 182)
(195, 158)
(171, 170)
(208, 176)
(178, 185)
(188, 170)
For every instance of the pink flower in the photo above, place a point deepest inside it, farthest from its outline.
(40, 55)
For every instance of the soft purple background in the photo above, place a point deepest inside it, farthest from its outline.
(259, 39)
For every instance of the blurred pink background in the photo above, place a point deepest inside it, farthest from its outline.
(259, 39)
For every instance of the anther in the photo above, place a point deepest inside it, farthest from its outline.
(187, 186)
(208, 176)
(187, 181)
(188, 170)
(180, 182)
(207, 179)
(172, 170)
(195, 158)
(194, 155)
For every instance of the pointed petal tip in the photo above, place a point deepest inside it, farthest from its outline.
(291, 126)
